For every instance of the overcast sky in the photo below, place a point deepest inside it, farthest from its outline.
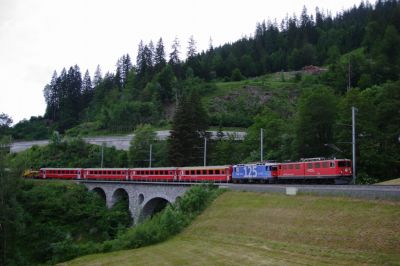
(40, 36)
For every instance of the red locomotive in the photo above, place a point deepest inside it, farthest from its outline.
(313, 169)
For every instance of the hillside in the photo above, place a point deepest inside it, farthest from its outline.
(249, 228)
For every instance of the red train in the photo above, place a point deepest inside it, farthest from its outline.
(314, 170)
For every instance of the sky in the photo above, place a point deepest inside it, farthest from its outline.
(40, 36)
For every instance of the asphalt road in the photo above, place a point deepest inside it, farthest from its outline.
(119, 142)
(358, 191)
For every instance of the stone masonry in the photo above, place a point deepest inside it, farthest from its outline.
(143, 197)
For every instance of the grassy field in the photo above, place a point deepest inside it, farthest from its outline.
(390, 182)
(242, 228)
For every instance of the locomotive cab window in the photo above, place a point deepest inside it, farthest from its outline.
(332, 164)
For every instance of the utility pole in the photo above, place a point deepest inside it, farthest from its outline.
(205, 150)
(102, 155)
(349, 81)
(261, 144)
(151, 147)
(353, 141)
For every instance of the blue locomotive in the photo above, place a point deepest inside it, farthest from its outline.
(254, 172)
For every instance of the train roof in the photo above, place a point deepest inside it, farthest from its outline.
(315, 160)
(204, 167)
(60, 168)
(107, 169)
(154, 168)
(260, 163)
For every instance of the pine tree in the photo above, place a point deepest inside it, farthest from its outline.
(174, 60)
(159, 56)
(51, 97)
(192, 51)
(174, 55)
(185, 144)
(97, 76)
(87, 90)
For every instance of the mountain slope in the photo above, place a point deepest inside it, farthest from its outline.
(249, 228)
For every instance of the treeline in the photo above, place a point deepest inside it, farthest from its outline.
(359, 45)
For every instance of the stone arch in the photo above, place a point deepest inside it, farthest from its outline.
(140, 198)
(118, 195)
(152, 207)
(99, 191)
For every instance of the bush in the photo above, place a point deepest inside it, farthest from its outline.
(172, 220)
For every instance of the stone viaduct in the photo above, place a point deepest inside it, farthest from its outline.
(144, 198)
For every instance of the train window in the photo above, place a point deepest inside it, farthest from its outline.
(309, 166)
(325, 165)
(348, 164)
(297, 166)
(280, 166)
(290, 166)
(317, 165)
(217, 172)
(342, 164)
(332, 164)
(192, 172)
(284, 167)
(222, 171)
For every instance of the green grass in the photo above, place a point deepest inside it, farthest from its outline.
(242, 228)
(390, 182)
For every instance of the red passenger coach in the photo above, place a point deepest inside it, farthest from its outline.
(106, 173)
(153, 174)
(206, 174)
(60, 173)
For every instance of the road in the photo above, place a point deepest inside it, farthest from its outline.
(358, 191)
(119, 142)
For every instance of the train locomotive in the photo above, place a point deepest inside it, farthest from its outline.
(313, 170)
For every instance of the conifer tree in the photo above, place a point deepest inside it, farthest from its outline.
(159, 56)
(174, 55)
(87, 90)
(192, 50)
(185, 144)
(97, 76)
